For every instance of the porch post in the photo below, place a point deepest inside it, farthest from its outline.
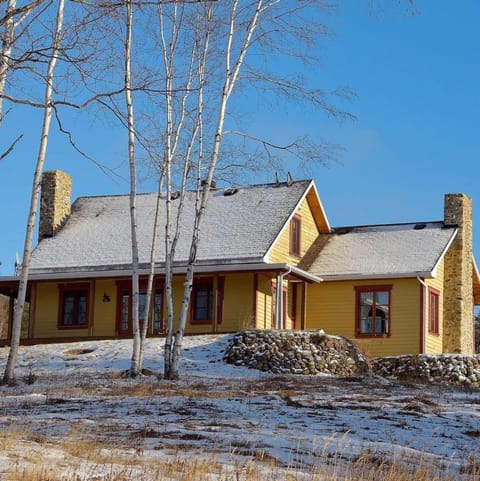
(304, 307)
(279, 307)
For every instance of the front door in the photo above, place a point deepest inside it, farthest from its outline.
(124, 309)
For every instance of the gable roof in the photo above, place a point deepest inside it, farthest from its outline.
(237, 228)
(379, 251)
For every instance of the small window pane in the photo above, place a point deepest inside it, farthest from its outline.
(365, 311)
(366, 325)
(142, 302)
(157, 314)
(366, 298)
(68, 310)
(82, 310)
(380, 326)
(381, 297)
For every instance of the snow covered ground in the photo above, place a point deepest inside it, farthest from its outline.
(81, 416)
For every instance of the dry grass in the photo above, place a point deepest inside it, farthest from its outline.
(202, 469)
(87, 450)
(79, 457)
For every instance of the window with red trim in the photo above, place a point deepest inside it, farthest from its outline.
(203, 301)
(372, 311)
(74, 302)
(295, 235)
(433, 311)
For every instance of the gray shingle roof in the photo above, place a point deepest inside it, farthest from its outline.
(381, 250)
(237, 228)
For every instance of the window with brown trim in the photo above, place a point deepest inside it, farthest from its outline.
(203, 300)
(373, 314)
(433, 311)
(74, 306)
(295, 235)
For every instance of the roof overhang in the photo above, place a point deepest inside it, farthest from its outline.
(126, 271)
(386, 275)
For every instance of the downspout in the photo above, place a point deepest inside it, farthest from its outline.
(423, 305)
(279, 301)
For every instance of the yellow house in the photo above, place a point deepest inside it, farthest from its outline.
(267, 258)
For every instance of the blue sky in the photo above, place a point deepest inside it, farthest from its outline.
(416, 136)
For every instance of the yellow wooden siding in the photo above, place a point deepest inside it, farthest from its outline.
(264, 302)
(237, 303)
(280, 251)
(46, 313)
(238, 307)
(105, 312)
(331, 307)
(434, 343)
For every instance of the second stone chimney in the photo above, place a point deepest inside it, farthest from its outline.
(55, 202)
(458, 288)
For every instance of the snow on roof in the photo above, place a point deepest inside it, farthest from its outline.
(379, 250)
(237, 227)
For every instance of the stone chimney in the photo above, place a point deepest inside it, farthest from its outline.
(458, 287)
(54, 202)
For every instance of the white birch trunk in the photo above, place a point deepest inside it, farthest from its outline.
(172, 243)
(9, 374)
(167, 58)
(7, 44)
(134, 365)
(230, 80)
(151, 275)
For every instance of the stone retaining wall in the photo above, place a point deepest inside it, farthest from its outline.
(295, 352)
(314, 352)
(454, 369)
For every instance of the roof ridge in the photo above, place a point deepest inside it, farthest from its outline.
(218, 189)
(387, 225)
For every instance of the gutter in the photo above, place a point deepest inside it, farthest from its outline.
(390, 275)
(125, 271)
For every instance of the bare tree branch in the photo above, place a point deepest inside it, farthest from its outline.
(12, 146)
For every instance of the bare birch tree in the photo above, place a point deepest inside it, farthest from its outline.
(9, 374)
(136, 350)
(220, 35)
(14, 16)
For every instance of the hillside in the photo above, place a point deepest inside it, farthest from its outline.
(81, 420)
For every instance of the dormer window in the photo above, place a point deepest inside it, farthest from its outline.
(295, 235)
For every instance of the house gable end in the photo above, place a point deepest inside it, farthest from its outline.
(313, 221)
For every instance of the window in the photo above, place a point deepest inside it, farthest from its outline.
(74, 301)
(433, 303)
(203, 301)
(295, 235)
(373, 311)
